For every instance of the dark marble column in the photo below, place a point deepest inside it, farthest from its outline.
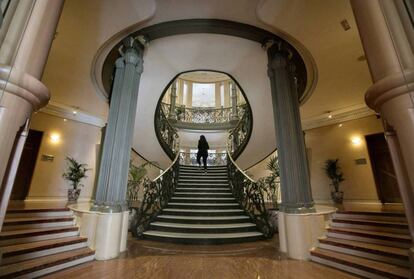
(114, 167)
(294, 173)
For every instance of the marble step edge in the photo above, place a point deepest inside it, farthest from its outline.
(203, 226)
(203, 204)
(202, 210)
(31, 210)
(373, 234)
(400, 253)
(203, 193)
(35, 232)
(18, 249)
(375, 213)
(202, 218)
(44, 265)
(203, 235)
(357, 265)
(202, 189)
(364, 251)
(402, 225)
(42, 250)
(36, 220)
(203, 198)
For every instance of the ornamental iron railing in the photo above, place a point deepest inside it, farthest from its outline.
(250, 195)
(157, 194)
(239, 136)
(167, 135)
(213, 159)
(204, 115)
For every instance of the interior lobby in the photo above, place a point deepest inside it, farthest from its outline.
(307, 107)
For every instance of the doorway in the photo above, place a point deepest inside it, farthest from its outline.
(27, 164)
(383, 169)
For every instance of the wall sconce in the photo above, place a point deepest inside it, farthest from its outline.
(356, 140)
(54, 138)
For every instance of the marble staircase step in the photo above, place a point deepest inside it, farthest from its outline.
(44, 265)
(382, 238)
(371, 225)
(202, 219)
(202, 189)
(202, 228)
(198, 199)
(371, 215)
(13, 223)
(393, 255)
(202, 212)
(203, 238)
(203, 205)
(29, 235)
(26, 251)
(359, 266)
(38, 212)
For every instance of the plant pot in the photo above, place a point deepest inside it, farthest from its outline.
(73, 194)
(273, 218)
(337, 197)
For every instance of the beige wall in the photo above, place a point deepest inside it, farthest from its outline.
(152, 171)
(333, 142)
(77, 140)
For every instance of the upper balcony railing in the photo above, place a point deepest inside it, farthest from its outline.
(213, 159)
(203, 117)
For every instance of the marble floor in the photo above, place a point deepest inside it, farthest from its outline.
(150, 259)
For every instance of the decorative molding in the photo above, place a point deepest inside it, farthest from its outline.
(337, 116)
(66, 112)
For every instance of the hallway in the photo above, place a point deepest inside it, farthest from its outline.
(150, 259)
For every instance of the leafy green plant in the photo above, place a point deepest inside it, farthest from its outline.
(135, 176)
(333, 171)
(75, 172)
(271, 184)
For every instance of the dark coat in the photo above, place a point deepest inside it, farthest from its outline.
(203, 147)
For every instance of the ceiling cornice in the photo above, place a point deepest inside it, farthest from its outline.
(66, 112)
(338, 116)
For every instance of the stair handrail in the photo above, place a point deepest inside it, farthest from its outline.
(249, 194)
(157, 193)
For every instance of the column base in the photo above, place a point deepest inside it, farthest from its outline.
(302, 209)
(299, 233)
(106, 232)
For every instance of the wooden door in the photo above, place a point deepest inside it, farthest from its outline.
(383, 169)
(26, 166)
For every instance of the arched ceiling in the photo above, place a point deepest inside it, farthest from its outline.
(171, 55)
(204, 76)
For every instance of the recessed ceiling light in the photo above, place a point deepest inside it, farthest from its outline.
(64, 119)
(345, 25)
(340, 125)
(330, 116)
(74, 112)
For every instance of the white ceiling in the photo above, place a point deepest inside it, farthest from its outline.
(204, 76)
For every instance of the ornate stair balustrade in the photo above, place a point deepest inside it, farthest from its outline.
(239, 136)
(213, 159)
(157, 194)
(204, 117)
(249, 194)
(167, 135)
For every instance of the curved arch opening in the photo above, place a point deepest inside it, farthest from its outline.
(203, 102)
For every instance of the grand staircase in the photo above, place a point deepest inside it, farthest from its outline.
(203, 211)
(35, 242)
(368, 244)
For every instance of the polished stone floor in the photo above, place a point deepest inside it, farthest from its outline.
(150, 259)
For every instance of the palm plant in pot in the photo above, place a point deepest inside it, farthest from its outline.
(270, 185)
(333, 171)
(74, 173)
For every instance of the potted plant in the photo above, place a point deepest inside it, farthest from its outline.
(271, 187)
(333, 171)
(135, 176)
(74, 173)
